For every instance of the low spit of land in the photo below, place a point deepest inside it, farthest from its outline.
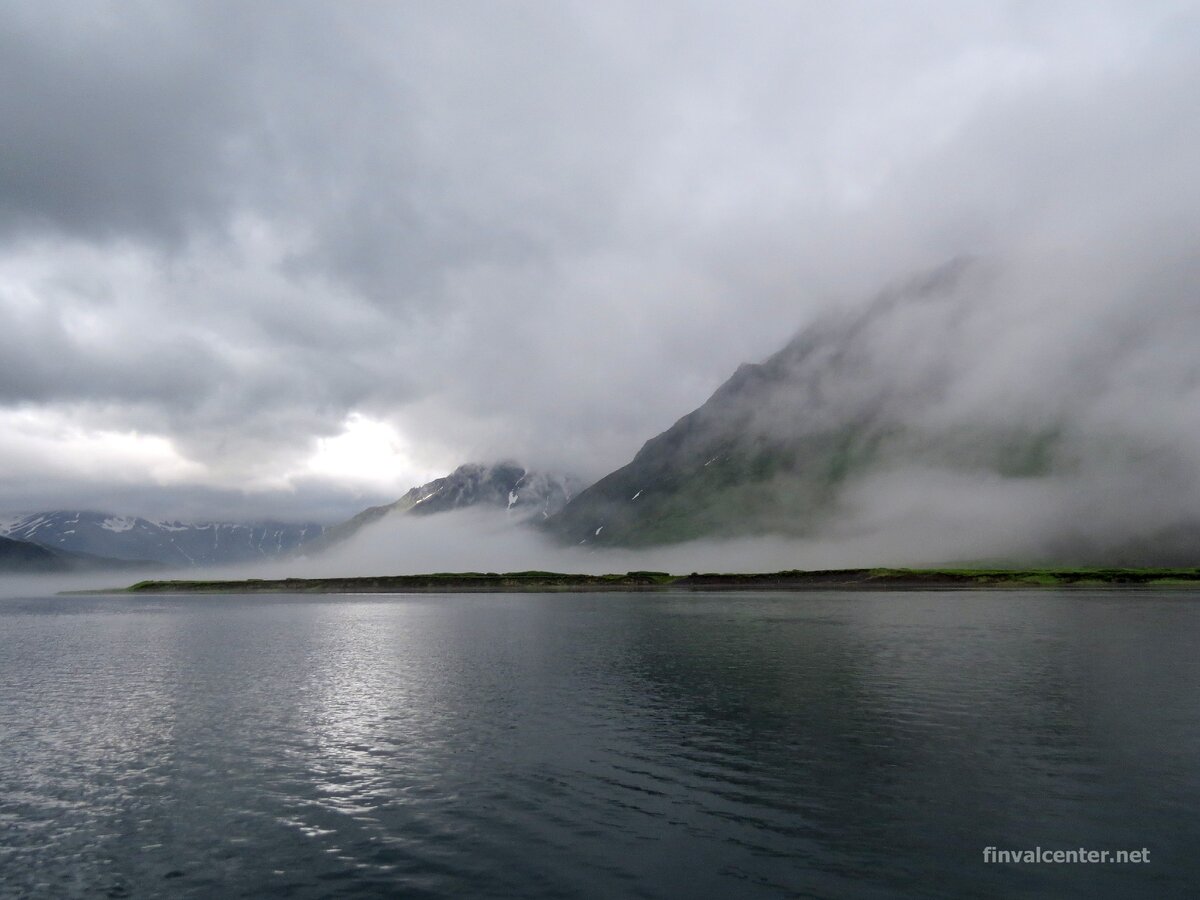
(855, 579)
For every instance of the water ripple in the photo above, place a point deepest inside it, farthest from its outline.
(635, 746)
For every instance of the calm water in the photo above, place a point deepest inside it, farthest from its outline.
(604, 745)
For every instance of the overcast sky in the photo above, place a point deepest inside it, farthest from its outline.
(287, 259)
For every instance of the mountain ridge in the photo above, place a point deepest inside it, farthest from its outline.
(167, 542)
(523, 493)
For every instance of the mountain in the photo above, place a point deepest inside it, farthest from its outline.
(27, 557)
(522, 493)
(170, 543)
(773, 448)
(22, 556)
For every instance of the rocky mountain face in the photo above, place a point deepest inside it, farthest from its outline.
(772, 449)
(169, 543)
(508, 486)
(524, 494)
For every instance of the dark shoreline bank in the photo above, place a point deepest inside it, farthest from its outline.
(795, 580)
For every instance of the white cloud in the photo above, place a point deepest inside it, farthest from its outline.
(40, 443)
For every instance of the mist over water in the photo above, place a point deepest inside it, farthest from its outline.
(489, 542)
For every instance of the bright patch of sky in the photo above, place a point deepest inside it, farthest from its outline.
(370, 453)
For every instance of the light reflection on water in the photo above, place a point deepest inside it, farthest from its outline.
(585, 745)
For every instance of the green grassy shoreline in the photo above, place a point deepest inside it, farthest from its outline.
(795, 580)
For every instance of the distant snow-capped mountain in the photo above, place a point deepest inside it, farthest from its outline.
(172, 543)
(507, 485)
(522, 493)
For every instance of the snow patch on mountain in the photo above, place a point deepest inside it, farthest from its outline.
(522, 493)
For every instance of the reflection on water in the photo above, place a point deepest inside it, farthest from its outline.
(864, 745)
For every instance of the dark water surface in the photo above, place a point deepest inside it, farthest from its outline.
(600, 745)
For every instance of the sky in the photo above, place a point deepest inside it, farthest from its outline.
(289, 259)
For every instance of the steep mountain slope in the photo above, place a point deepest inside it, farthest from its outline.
(772, 449)
(524, 494)
(171, 543)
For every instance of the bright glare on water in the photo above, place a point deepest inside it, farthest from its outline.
(600, 745)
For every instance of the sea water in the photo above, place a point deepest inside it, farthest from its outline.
(698, 745)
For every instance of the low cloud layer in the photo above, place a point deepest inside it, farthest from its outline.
(228, 232)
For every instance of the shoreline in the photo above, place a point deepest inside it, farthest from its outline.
(792, 580)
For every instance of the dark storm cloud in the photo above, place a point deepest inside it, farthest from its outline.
(116, 118)
(401, 137)
(547, 230)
